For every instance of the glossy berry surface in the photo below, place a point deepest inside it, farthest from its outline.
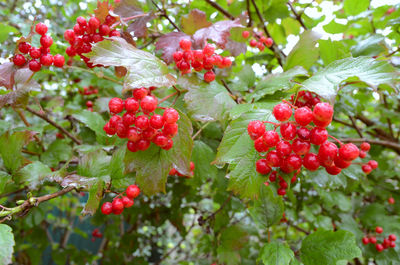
(132, 191)
(282, 112)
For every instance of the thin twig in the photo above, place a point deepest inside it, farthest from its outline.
(250, 23)
(164, 14)
(169, 96)
(387, 119)
(355, 126)
(46, 118)
(199, 131)
(298, 17)
(220, 9)
(235, 98)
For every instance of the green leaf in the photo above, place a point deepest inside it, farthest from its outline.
(232, 240)
(276, 82)
(334, 27)
(94, 165)
(33, 174)
(267, 209)
(239, 109)
(246, 79)
(4, 178)
(327, 247)
(7, 244)
(291, 26)
(117, 166)
(59, 150)
(371, 46)
(389, 257)
(144, 69)
(326, 81)
(5, 31)
(305, 53)
(354, 7)
(95, 196)
(95, 122)
(202, 157)
(206, 101)
(10, 149)
(332, 50)
(276, 253)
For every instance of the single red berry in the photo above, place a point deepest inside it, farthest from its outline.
(260, 146)
(19, 60)
(373, 164)
(340, 163)
(142, 122)
(300, 147)
(160, 140)
(268, 42)
(169, 145)
(198, 55)
(253, 43)
(46, 41)
(365, 240)
(270, 138)
(183, 65)
(272, 176)
(288, 131)
(132, 146)
(327, 153)
(303, 116)
(392, 237)
(35, 53)
(245, 34)
(170, 129)
(173, 172)
(149, 134)
(41, 28)
(392, 244)
(110, 20)
(372, 240)
(348, 152)
(133, 135)
(217, 60)
(226, 62)
(69, 35)
(260, 46)
(284, 148)
(318, 136)
(115, 120)
(24, 47)
(283, 184)
(94, 23)
(122, 130)
(386, 243)
(46, 59)
(365, 146)
(107, 208)
(263, 39)
(131, 105)
(188, 56)
(97, 37)
(185, 44)
(117, 204)
(59, 60)
(281, 192)
(255, 129)
(78, 30)
(362, 154)
(262, 166)
(209, 76)
(127, 202)
(104, 30)
(322, 124)
(128, 119)
(116, 105)
(311, 162)
(208, 63)
(292, 163)
(89, 104)
(294, 179)
(282, 112)
(379, 229)
(273, 159)
(323, 112)
(148, 104)
(366, 168)
(81, 21)
(333, 169)
(170, 115)
(178, 56)
(157, 121)
(114, 33)
(391, 200)
(34, 66)
(109, 130)
(132, 191)
(379, 247)
(208, 50)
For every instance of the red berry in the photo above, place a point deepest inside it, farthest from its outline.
(110, 20)
(142, 122)
(198, 55)
(226, 62)
(160, 140)
(109, 130)
(348, 152)
(392, 244)
(185, 44)
(282, 112)
(391, 200)
(303, 116)
(284, 148)
(117, 204)
(311, 162)
(128, 119)
(322, 124)
(245, 34)
(132, 191)
(46, 41)
(122, 130)
(81, 21)
(209, 76)
(19, 60)
(300, 147)
(365, 240)
(268, 42)
(89, 104)
(208, 63)
(69, 35)
(217, 60)
(59, 60)
(116, 105)
(169, 145)
(292, 163)
(178, 56)
(263, 39)
(255, 129)
(273, 159)
(127, 202)
(288, 131)
(133, 135)
(24, 47)
(318, 136)
(323, 112)
(115, 120)
(270, 138)
(149, 104)
(283, 184)
(327, 153)
(170, 115)
(97, 37)
(392, 237)
(366, 168)
(149, 134)
(156, 121)
(170, 129)
(187, 56)
(272, 176)
(379, 247)
(362, 154)
(78, 30)
(41, 28)
(379, 229)
(107, 208)
(281, 192)
(34, 66)
(260, 146)
(373, 164)
(114, 33)
(260, 46)
(104, 30)
(132, 146)
(253, 43)
(333, 169)
(46, 59)
(131, 105)
(386, 243)
(208, 50)
(372, 240)
(262, 166)
(340, 163)
(365, 146)
(35, 53)
(173, 172)
(94, 23)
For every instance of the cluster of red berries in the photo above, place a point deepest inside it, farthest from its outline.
(38, 56)
(305, 99)
(139, 123)
(292, 146)
(174, 172)
(96, 234)
(89, 91)
(119, 204)
(388, 242)
(371, 164)
(260, 40)
(85, 33)
(199, 60)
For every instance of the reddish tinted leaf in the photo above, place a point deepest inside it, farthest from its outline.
(120, 71)
(139, 27)
(169, 43)
(102, 10)
(7, 71)
(218, 32)
(194, 21)
(235, 47)
(128, 8)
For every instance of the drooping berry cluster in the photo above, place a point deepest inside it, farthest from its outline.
(85, 33)
(305, 99)
(199, 60)
(388, 242)
(36, 57)
(174, 172)
(139, 124)
(121, 202)
(260, 41)
(87, 91)
(96, 234)
(290, 150)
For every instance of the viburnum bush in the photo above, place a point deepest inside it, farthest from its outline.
(200, 132)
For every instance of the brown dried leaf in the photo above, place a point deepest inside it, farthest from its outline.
(169, 43)
(194, 21)
(218, 33)
(102, 10)
(120, 71)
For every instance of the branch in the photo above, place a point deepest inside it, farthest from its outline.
(380, 133)
(235, 98)
(211, 216)
(249, 13)
(220, 9)
(164, 14)
(46, 118)
(355, 126)
(389, 144)
(199, 131)
(298, 17)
